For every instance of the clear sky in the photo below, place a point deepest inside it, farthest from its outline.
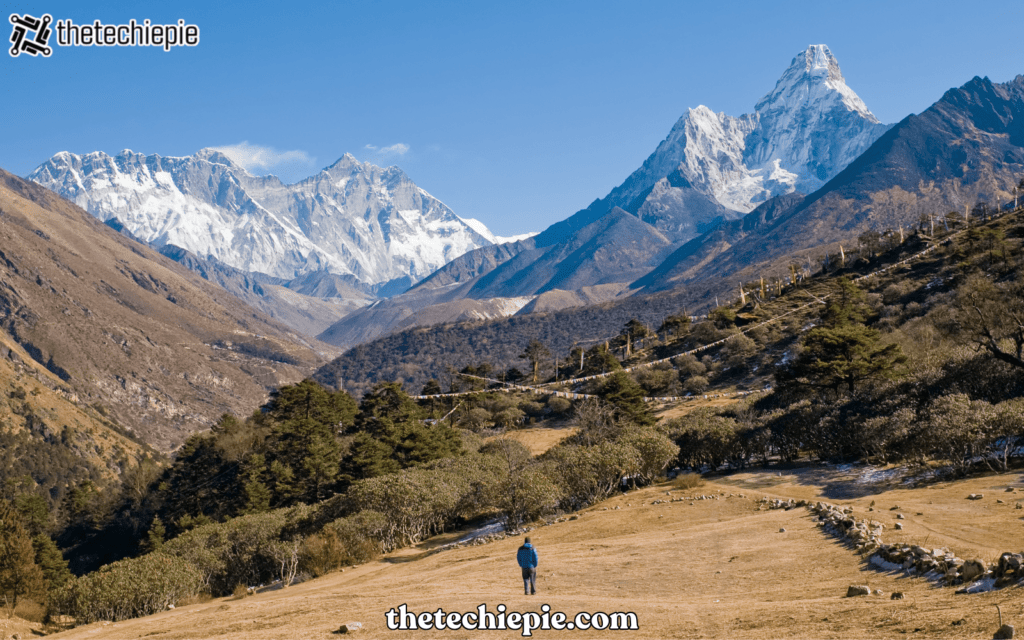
(514, 113)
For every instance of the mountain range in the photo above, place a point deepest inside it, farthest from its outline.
(711, 169)
(720, 199)
(371, 226)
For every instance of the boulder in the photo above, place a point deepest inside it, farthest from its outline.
(976, 496)
(855, 590)
(896, 595)
(1004, 632)
(349, 627)
(973, 569)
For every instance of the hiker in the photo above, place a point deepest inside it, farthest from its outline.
(526, 556)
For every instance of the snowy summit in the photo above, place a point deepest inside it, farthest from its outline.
(350, 218)
(800, 135)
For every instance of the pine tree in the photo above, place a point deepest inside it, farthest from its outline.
(843, 351)
(19, 573)
(257, 495)
(155, 536)
(51, 561)
(623, 393)
(535, 352)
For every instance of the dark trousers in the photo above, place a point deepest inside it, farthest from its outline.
(530, 580)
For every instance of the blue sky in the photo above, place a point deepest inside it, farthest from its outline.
(517, 114)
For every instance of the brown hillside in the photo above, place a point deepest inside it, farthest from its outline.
(122, 327)
(690, 569)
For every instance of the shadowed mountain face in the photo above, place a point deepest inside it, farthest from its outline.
(709, 171)
(714, 166)
(966, 148)
(617, 248)
(162, 350)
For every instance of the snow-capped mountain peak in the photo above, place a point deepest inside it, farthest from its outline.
(801, 134)
(351, 218)
(811, 124)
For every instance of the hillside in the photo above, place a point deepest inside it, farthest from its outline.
(415, 355)
(52, 439)
(720, 567)
(155, 347)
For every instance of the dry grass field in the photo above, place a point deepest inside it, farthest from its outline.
(715, 568)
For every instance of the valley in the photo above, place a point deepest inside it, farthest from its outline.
(689, 569)
(771, 384)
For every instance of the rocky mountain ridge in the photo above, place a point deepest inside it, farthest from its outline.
(351, 218)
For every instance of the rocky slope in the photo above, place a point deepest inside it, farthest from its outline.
(966, 148)
(161, 351)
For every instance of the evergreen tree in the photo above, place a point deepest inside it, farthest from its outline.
(155, 536)
(627, 397)
(843, 351)
(308, 400)
(257, 495)
(51, 561)
(535, 352)
(598, 359)
(19, 573)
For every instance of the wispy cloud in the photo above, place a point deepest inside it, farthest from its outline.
(398, 149)
(258, 160)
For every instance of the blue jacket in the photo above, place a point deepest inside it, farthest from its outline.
(527, 556)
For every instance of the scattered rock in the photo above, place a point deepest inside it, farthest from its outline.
(879, 592)
(896, 595)
(899, 526)
(170, 606)
(973, 569)
(349, 627)
(1005, 632)
(855, 590)
(896, 508)
(1000, 502)
(976, 496)
(899, 516)
(1009, 489)
(782, 530)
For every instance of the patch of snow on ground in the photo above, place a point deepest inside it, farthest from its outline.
(488, 529)
(980, 586)
(872, 475)
(880, 563)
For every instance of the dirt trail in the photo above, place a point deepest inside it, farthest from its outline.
(713, 568)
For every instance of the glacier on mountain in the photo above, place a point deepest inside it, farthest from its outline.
(350, 218)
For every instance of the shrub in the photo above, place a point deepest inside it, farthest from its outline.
(688, 480)
(241, 550)
(128, 589)
(704, 439)
(559, 405)
(696, 385)
(360, 536)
